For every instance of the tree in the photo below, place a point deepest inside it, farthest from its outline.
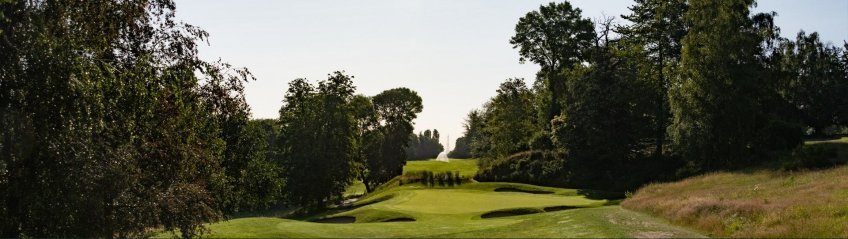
(815, 81)
(509, 124)
(554, 37)
(477, 138)
(715, 99)
(318, 140)
(112, 124)
(370, 136)
(259, 183)
(601, 127)
(656, 33)
(425, 145)
(396, 109)
(461, 149)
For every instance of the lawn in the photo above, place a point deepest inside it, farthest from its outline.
(469, 210)
(465, 167)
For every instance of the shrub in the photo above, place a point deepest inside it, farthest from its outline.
(811, 157)
(431, 179)
(534, 167)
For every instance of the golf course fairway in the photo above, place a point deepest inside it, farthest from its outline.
(485, 209)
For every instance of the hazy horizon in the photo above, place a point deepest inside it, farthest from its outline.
(453, 53)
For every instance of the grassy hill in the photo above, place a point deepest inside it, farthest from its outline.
(465, 167)
(764, 203)
(468, 210)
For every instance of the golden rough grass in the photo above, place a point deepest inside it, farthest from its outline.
(759, 204)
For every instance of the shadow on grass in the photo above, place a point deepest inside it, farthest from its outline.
(600, 195)
(341, 219)
(511, 212)
(517, 190)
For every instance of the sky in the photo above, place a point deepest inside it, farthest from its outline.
(454, 53)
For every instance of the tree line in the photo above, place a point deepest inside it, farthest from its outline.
(687, 87)
(114, 127)
(424, 145)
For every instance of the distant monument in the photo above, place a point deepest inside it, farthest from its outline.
(443, 156)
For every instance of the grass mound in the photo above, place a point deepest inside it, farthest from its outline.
(466, 167)
(759, 204)
(771, 202)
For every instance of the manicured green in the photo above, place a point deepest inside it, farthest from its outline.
(608, 221)
(456, 212)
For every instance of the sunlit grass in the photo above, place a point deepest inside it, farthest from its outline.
(456, 212)
(465, 167)
(767, 203)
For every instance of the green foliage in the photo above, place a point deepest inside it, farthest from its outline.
(111, 123)
(259, 183)
(554, 37)
(654, 38)
(433, 179)
(425, 145)
(396, 109)
(536, 167)
(478, 139)
(810, 157)
(509, 124)
(602, 127)
(318, 140)
(461, 149)
(814, 81)
(716, 98)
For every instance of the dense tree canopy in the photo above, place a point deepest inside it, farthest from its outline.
(425, 145)
(509, 119)
(461, 149)
(396, 109)
(601, 126)
(318, 140)
(715, 100)
(555, 37)
(111, 123)
(654, 37)
(815, 81)
(718, 80)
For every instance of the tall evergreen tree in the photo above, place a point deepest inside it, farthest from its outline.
(656, 33)
(716, 98)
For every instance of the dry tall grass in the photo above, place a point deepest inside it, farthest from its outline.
(761, 204)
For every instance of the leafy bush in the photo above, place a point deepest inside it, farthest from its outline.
(811, 157)
(533, 167)
(430, 179)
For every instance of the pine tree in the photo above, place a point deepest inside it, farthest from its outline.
(715, 99)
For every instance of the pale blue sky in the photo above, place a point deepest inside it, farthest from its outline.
(453, 53)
